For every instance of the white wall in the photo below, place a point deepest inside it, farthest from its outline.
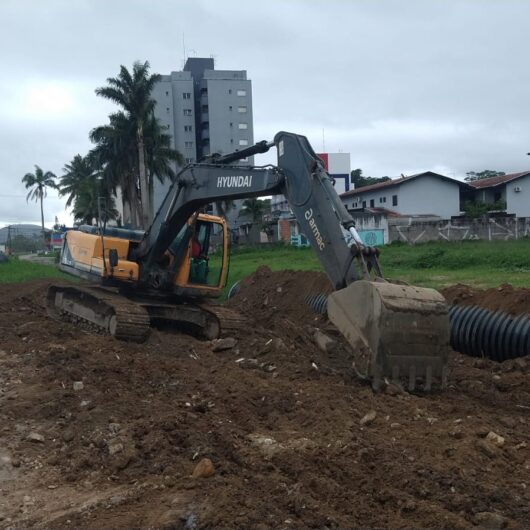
(429, 195)
(420, 196)
(518, 202)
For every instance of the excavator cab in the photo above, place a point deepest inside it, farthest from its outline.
(205, 264)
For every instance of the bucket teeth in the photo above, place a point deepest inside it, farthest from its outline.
(404, 329)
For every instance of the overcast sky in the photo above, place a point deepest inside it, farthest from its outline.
(403, 86)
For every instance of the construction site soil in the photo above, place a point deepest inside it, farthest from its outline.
(271, 432)
(503, 298)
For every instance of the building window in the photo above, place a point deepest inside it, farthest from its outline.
(243, 142)
(167, 93)
(394, 200)
(241, 92)
(186, 95)
(189, 160)
(167, 110)
(229, 90)
(188, 144)
(230, 107)
(364, 204)
(187, 112)
(372, 203)
(231, 124)
(231, 140)
(187, 128)
(242, 109)
(243, 126)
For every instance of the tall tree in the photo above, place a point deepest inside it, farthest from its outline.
(92, 200)
(254, 208)
(115, 156)
(132, 92)
(38, 184)
(75, 174)
(486, 174)
(160, 157)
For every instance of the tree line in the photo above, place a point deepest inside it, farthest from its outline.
(129, 153)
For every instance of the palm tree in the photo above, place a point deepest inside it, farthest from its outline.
(38, 183)
(91, 200)
(160, 157)
(75, 174)
(255, 208)
(115, 156)
(132, 92)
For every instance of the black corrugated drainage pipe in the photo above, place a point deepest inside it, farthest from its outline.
(475, 331)
(493, 334)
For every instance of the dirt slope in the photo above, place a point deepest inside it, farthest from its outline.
(503, 298)
(279, 419)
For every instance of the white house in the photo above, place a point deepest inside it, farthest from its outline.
(425, 193)
(514, 189)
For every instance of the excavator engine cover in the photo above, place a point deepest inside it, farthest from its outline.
(396, 331)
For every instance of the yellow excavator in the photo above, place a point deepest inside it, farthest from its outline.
(168, 273)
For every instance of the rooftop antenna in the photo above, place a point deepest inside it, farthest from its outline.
(183, 50)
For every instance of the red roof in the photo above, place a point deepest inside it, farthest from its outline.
(496, 181)
(397, 182)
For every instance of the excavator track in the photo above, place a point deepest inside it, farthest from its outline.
(230, 321)
(110, 312)
(130, 320)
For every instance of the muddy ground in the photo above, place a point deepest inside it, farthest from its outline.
(97, 433)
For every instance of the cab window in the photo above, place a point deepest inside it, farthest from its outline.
(206, 251)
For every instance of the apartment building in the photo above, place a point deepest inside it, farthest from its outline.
(206, 111)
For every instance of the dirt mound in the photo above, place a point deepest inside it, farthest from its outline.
(266, 294)
(98, 433)
(507, 298)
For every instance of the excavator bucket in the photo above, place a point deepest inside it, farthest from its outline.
(398, 332)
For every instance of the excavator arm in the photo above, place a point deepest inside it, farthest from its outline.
(397, 330)
(299, 175)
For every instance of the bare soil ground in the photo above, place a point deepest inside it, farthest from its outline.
(503, 298)
(278, 418)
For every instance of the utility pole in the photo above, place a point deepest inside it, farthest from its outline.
(8, 241)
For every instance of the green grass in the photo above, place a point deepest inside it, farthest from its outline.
(15, 271)
(436, 264)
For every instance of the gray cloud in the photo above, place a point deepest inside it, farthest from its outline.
(403, 86)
